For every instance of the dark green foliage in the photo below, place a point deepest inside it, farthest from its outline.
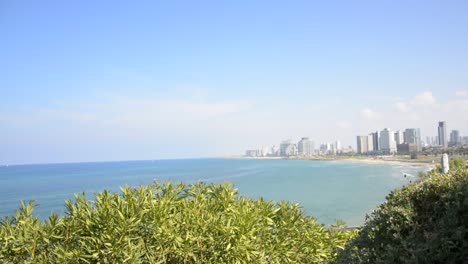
(166, 223)
(425, 222)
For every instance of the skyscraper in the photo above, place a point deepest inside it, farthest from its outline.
(399, 139)
(455, 138)
(465, 140)
(287, 148)
(337, 145)
(387, 141)
(370, 143)
(365, 144)
(376, 141)
(304, 147)
(413, 136)
(362, 144)
(442, 132)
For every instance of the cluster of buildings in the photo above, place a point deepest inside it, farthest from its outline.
(454, 139)
(409, 140)
(385, 141)
(305, 147)
(388, 141)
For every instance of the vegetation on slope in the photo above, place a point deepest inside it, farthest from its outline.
(424, 222)
(166, 223)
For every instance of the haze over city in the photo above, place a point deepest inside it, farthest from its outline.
(94, 81)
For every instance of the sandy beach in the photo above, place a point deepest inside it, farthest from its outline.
(393, 161)
(388, 160)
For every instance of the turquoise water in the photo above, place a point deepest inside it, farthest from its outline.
(327, 190)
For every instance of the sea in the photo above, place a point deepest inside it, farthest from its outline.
(326, 190)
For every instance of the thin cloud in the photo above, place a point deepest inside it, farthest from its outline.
(423, 99)
(138, 111)
(402, 107)
(370, 114)
(343, 124)
(178, 110)
(461, 93)
(208, 109)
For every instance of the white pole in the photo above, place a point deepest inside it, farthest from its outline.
(445, 163)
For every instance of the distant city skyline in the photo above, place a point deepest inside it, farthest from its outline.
(385, 141)
(105, 80)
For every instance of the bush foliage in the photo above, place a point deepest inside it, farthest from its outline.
(425, 222)
(167, 223)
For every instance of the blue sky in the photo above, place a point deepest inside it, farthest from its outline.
(114, 80)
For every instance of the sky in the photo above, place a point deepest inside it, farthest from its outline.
(137, 80)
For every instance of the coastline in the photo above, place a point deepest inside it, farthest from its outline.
(376, 160)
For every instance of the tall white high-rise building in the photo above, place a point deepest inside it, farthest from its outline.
(265, 151)
(362, 144)
(370, 143)
(442, 133)
(399, 138)
(287, 148)
(328, 147)
(365, 144)
(387, 141)
(332, 148)
(274, 151)
(305, 147)
(337, 145)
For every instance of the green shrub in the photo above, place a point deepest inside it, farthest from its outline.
(425, 222)
(166, 223)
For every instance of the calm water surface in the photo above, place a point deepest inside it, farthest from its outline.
(327, 190)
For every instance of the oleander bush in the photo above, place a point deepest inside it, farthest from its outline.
(168, 223)
(424, 222)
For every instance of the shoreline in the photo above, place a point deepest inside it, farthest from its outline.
(375, 160)
(429, 166)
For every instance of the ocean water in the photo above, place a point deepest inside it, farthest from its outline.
(327, 190)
